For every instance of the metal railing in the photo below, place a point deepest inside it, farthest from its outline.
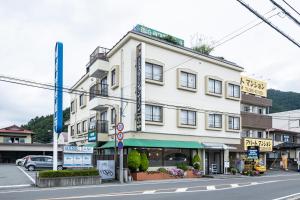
(98, 53)
(98, 89)
(101, 126)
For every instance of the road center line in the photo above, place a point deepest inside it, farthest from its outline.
(149, 191)
(254, 183)
(181, 189)
(30, 178)
(234, 185)
(211, 187)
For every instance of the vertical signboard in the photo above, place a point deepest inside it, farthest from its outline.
(58, 93)
(139, 87)
(106, 169)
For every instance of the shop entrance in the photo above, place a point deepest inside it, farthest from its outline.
(214, 160)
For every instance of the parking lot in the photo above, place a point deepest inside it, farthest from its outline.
(12, 176)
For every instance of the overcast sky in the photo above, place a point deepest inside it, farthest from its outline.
(29, 30)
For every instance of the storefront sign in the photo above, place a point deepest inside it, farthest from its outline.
(77, 149)
(253, 152)
(75, 156)
(139, 87)
(265, 145)
(106, 169)
(92, 136)
(252, 86)
(154, 33)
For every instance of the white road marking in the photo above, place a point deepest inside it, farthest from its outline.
(149, 192)
(211, 187)
(181, 189)
(234, 185)
(30, 178)
(288, 196)
(14, 186)
(254, 183)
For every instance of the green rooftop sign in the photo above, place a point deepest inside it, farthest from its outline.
(154, 33)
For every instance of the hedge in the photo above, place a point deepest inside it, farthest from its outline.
(68, 173)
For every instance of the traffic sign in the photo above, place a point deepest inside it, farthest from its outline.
(120, 136)
(120, 126)
(120, 145)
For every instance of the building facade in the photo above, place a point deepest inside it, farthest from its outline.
(174, 102)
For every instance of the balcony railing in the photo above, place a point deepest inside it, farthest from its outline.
(98, 90)
(98, 53)
(101, 126)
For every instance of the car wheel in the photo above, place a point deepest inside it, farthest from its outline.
(19, 163)
(59, 167)
(31, 168)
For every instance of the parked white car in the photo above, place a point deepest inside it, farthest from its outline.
(21, 161)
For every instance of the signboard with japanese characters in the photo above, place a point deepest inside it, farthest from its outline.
(139, 88)
(253, 152)
(252, 86)
(265, 145)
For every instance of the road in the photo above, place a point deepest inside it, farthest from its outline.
(280, 186)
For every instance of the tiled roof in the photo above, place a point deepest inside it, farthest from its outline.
(15, 129)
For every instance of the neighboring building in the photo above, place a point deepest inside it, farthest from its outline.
(63, 138)
(16, 142)
(287, 120)
(15, 134)
(175, 101)
(255, 120)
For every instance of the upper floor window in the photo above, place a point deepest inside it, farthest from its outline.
(233, 90)
(233, 123)
(84, 126)
(214, 86)
(214, 121)
(187, 80)
(154, 113)
(260, 134)
(81, 100)
(73, 106)
(113, 116)
(246, 133)
(154, 72)
(78, 128)
(188, 117)
(72, 130)
(113, 77)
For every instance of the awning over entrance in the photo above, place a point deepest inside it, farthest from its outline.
(91, 145)
(217, 146)
(132, 142)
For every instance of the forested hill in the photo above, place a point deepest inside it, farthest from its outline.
(283, 101)
(43, 126)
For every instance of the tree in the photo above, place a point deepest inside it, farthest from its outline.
(196, 162)
(144, 163)
(201, 44)
(133, 160)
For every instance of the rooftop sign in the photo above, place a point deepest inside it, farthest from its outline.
(252, 86)
(154, 33)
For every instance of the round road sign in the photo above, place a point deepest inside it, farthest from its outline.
(120, 126)
(120, 136)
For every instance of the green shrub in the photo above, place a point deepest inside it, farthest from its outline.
(182, 166)
(144, 163)
(134, 160)
(68, 173)
(162, 170)
(196, 162)
(233, 170)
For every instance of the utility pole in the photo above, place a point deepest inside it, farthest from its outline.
(121, 116)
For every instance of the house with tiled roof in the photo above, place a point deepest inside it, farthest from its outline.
(16, 135)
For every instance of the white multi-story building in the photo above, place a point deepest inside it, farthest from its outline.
(173, 101)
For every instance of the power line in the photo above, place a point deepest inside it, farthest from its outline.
(245, 30)
(269, 23)
(50, 87)
(285, 12)
(291, 7)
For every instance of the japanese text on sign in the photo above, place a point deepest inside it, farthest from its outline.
(253, 86)
(263, 144)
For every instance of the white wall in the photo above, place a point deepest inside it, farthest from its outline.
(288, 120)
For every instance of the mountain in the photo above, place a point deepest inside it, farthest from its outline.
(283, 101)
(43, 127)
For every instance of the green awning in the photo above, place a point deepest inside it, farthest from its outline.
(132, 142)
(91, 145)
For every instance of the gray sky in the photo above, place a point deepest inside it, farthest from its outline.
(29, 30)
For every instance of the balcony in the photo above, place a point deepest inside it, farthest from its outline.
(257, 121)
(100, 126)
(98, 65)
(254, 100)
(97, 100)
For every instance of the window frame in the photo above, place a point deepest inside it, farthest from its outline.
(78, 130)
(214, 121)
(188, 72)
(152, 121)
(83, 103)
(187, 125)
(152, 80)
(207, 83)
(72, 130)
(114, 73)
(73, 108)
(84, 126)
(228, 120)
(234, 84)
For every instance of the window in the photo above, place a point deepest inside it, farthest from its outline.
(188, 80)
(84, 126)
(113, 77)
(154, 72)
(113, 116)
(92, 123)
(260, 134)
(247, 108)
(72, 130)
(233, 90)
(233, 123)
(214, 86)
(246, 133)
(73, 106)
(81, 100)
(78, 128)
(188, 117)
(154, 113)
(278, 137)
(214, 121)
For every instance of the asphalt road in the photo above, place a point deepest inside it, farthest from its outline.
(12, 176)
(265, 188)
